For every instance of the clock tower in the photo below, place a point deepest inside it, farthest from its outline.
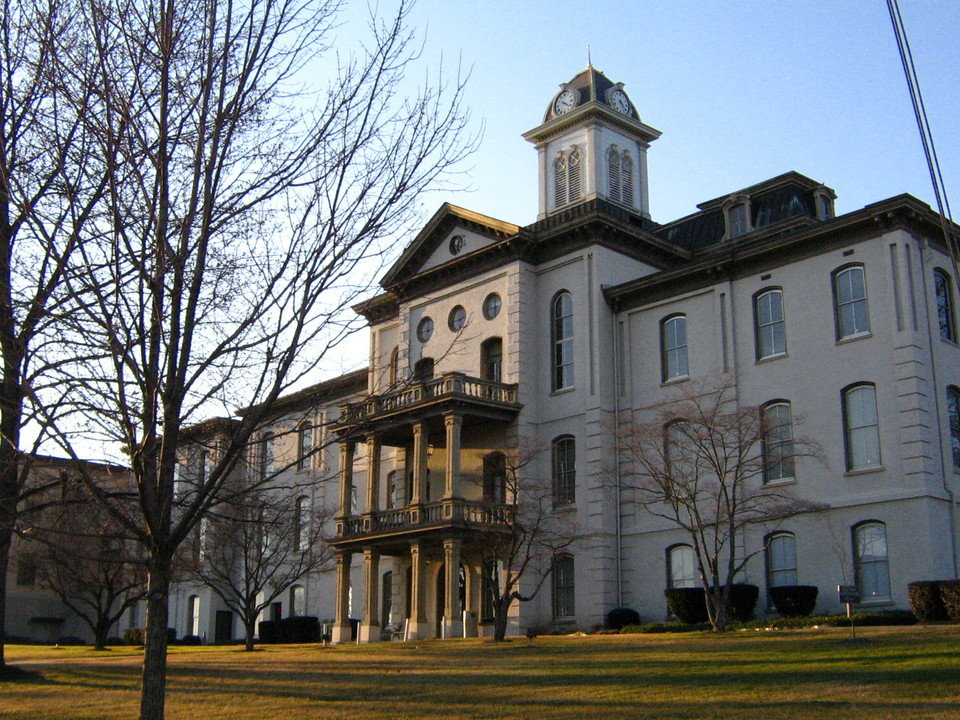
(592, 144)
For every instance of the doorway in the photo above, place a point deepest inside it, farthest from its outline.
(223, 627)
(442, 591)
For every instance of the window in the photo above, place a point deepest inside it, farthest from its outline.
(425, 329)
(491, 306)
(613, 173)
(457, 319)
(562, 585)
(489, 589)
(560, 181)
(202, 467)
(953, 415)
(620, 176)
(564, 457)
(561, 333)
(193, 615)
(945, 319)
(26, 572)
(781, 558)
(266, 455)
(494, 477)
(301, 527)
(491, 359)
(393, 370)
(673, 347)
(777, 445)
(861, 427)
(681, 572)
(423, 370)
(573, 175)
(626, 175)
(870, 553)
(824, 207)
(298, 601)
(738, 220)
(304, 446)
(456, 244)
(567, 177)
(850, 301)
(771, 335)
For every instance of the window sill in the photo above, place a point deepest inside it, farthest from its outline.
(675, 380)
(565, 620)
(563, 391)
(565, 508)
(886, 602)
(948, 341)
(853, 338)
(864, 471)
(770, 358)
(781, 482)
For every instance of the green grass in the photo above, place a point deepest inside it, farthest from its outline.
(814, 675)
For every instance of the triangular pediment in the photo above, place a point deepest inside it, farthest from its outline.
(451, 235)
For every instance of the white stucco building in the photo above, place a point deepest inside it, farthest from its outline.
(489, 334)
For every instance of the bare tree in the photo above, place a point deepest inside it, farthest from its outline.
(701, 463)
(239, 209)
(530, 535)
(251, 550)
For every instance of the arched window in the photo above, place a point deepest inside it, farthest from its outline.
(393, 490)
(781, 560)
(613, 171)
(193, 615)
(850, 302)
(861, 426)
(393, 369)
(573, 175)
(560, 181)
(777, 445)
(561, 335)
(298, 601)
(953, 416)
(681, 569)
(945, 319)
(564, 466)
(491, 359)
(266, 455)
(562, 583)
(301, 529)
(673, 347)
(494, 477)
(626, 175)
(771, 336)
(870, 554)
(304, 445)
(423, 370)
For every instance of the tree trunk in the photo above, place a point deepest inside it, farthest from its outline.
(4, 562)
(154, 676)
(100, 633)
(501, 608)
(249, 627)
(9, 498)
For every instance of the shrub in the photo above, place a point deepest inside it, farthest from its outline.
(134, 636)
(741, 601)
(70, 640)
(113, 641)
(950, 592)
(300, 629)
(191, 640)
(618, 617)
(687, 604)
(876, 619)
(794, 600)
(662, 627)
(927, 601)
(268, 631)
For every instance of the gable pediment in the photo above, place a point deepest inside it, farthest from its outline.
(452, 234)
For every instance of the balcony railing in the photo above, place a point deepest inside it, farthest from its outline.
(458, 512)
(448, 385)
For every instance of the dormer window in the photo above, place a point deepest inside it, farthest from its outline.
(823, 203)
(738, 216)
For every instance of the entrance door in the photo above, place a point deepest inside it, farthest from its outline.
(442, 591)
(223, 628)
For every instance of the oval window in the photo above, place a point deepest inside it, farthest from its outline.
(491, 306)
(456, 244)
(457, 319)
(425, 330)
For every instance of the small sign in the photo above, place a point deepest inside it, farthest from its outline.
(848, 593)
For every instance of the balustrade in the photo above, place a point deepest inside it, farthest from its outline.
(408, 518)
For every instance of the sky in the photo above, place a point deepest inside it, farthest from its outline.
(742, 92)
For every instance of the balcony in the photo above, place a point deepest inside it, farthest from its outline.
(451, 392)
(401, 524)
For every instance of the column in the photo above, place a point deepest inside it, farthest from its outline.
(370, 627)
(373, 474)
(346, 477)
(453, 424)
(341, 626)
(420, 442)
(452, 611)
(417, 626)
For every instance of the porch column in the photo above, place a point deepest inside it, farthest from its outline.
(346, 477)
(341, 626)
(373, 474)
(370, 628)
(417, 627)
(452, 612)
(453, 424)
(420, 442)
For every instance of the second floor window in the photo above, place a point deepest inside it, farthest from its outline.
(945, 319)
(304, 446)
(953, 416)
(673, 347)
(777, 442)
(564, 462)
(491, 359)
(861, 427)
(561, 335)
(769, 326)
(266, 455)
(850, 302)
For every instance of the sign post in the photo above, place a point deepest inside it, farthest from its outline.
(849, 594)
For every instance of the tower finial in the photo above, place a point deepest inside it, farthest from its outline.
(589, 60)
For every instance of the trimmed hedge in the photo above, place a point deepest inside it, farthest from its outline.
(950, 593)
(190, 640)
(794, 600)
(867, 619)
(138, 636)
(301, 629)
(927, 601)
(687, 605)
(742, 601)
(618, 617)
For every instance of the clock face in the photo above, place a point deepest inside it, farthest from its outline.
(564, 102)
(620, 102)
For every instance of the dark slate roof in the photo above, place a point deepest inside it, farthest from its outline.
(593, 83)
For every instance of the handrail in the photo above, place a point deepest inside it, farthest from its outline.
(406, 518)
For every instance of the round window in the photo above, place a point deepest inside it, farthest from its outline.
(491, 306)
(456, 244)
(425, 329)
(458, 318)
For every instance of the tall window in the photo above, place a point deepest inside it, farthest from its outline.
(561, 334)
(781, 558)
(423, 370)
(564, 457)
(861, 427)
(301, 533)
(681, 572)
(738, 219)
(393, 490)
(768, 323)
(777, 446)
(953, 415)
(944, 290)
(850, 302)
(673, 347)
(298, 601)
(870, 552)
(304, 445)
(560, 181)
(491, 359)
(203, 460)
(573, 175)
(626, 174)
(563, 587)
(393, 369)
(489, 588)
(567, 175)
(494, 477)
(620, 176)
(613, 173)
(193, 615)
(266, 455)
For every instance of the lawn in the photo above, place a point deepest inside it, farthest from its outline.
(813, 674)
